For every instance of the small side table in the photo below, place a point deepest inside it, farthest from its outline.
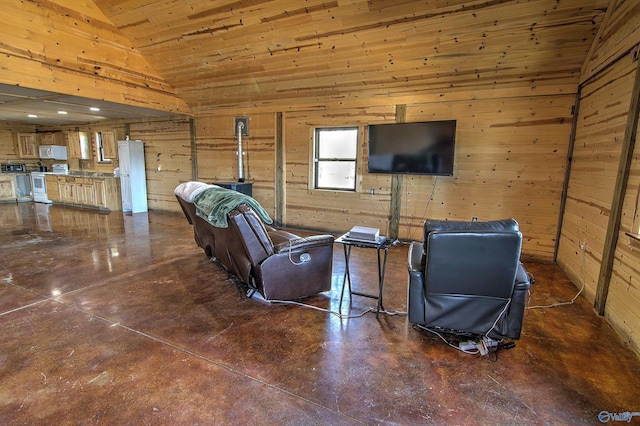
(382, 244)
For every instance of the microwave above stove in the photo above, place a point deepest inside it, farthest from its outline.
(14, 168)
(56, 152)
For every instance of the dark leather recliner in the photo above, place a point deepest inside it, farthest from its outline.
(278, 264)
(466, 278)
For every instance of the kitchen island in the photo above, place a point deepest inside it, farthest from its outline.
(85, 189)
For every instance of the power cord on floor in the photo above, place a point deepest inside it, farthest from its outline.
(553, 305)
(304, 305)
(470, 352)
(485, 346)
(572, 301)
(391, 313)
(338, 314)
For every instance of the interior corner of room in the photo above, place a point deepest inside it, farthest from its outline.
(530, 111)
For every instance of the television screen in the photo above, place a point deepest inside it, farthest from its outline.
(424, 148)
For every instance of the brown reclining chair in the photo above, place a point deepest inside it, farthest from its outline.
(276, 263)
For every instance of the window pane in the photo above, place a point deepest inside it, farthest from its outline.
(336, 174)
(338, 143)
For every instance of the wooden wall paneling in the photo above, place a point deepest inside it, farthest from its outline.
(567, 172)
(604, 104)
(217, 147)
(71, 48)
(510, 158)
(167, 151)
(335, 51)
(334, 211)
(617, 35)
(623, 296)
(613, 228)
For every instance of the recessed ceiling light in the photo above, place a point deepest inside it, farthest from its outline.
(94, 109)
(32, 116)
(62, 112)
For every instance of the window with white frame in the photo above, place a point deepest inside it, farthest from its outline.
(99, 146)
(335, 157)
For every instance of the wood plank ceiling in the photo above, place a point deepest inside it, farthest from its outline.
(281, 52)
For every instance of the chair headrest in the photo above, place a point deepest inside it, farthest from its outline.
(188, 190)
(453, 225)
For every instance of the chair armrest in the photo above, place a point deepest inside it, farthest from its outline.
(303, 243)
(301, 272)
(415, 257)
(416, 302)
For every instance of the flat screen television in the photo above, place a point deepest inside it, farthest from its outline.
(424, 148)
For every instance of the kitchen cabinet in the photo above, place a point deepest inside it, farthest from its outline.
(100, 195)
(73, 144)
(86, 191)
(53, 189)
(27, 145)
(66, 191)
(8, 190)
(50, 139)
(109, 145)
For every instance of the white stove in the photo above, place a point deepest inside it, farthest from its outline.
(39, 188)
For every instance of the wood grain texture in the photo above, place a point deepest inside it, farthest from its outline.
(167, 152)
(600, 132)
(615, 39)
(284, 52)
(607, 77)
(217, 148)
(72, 48)
(510, 157)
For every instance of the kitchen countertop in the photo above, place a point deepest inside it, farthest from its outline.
(76, 173)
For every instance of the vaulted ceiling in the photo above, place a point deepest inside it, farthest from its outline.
(188, 56)
(285, 52)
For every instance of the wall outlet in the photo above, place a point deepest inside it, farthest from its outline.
(372, 191)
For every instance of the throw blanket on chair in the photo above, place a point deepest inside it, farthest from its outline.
(214, 203)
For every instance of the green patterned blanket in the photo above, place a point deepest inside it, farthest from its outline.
(214, 203)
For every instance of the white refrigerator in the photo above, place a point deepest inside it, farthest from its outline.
(133, 178)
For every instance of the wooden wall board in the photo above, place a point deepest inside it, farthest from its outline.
(615, 38)
(71, 48)
(522, 174)
(595, 160)
(607, 78)
(217, 145)
(281, 53)
(167, 151)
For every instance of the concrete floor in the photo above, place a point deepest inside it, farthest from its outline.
(121, 319)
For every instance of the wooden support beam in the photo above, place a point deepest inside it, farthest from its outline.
(194, 149)
(280, 179)
(613, 227)
(567, 172)
(396, 185)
